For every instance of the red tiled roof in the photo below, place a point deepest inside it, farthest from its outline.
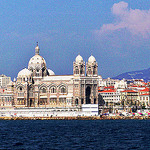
(145, 90)
(129, 91)
(108, 91)
(109, 87)
(133, 86)
(144, 83)
(144, 94)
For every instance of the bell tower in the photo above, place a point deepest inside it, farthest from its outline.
(79, 66)
(91, 67)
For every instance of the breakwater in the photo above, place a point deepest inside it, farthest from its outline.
(79, 118)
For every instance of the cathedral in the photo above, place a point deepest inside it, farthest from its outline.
(38, 86)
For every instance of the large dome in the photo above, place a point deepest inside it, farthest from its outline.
(37, 62)
(91, 59)
(24, 73)
(79, 59)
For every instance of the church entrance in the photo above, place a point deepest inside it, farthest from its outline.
(88, 93)
(31, 103)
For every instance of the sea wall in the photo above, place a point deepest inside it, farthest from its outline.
(78, 118)
(44, 113)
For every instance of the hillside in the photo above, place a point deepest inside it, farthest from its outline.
(141, 74)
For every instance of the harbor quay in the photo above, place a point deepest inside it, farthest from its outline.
(67, 114)
(90, 110)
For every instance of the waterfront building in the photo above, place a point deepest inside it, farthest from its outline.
(136, 87)
(38, 86)
(111, 97)
(144, 97)
(6, 100)
(129, 98)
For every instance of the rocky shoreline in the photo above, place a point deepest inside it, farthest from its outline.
(79, 118)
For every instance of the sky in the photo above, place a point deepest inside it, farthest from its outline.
(116, 33)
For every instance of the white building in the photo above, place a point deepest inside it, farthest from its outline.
(111, 97)
(120, 85)
(4, 81)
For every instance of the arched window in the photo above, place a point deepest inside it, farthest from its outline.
(81, 69)
(43, 90)
(89, 71)
(82, 100)
(63, 90)
(76, 102)
(53, 90)
(94, 70)
(20, 91)
(76, 70)
(37, 72)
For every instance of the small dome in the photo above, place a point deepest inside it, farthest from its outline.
(37, 61)
(24, 73)
(79, 59)
(91, 59)
(51, 72)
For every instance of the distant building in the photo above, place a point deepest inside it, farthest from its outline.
(107, 82)
(111, 97)
(4, 81)
(144, 97)
(6, 100)
(129, 98)
(122, 84)
(111, 94)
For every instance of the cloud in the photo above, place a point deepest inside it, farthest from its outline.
(136, 21)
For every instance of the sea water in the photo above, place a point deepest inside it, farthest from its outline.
(75, 134)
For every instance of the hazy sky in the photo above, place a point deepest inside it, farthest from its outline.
(116, 33)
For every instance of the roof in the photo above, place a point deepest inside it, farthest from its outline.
(135, 86)
(36, 61)
(24, 73)
(108, 91)
(144, 94)
(2, 75)
(129, 91)
(91, 59)
(109, 87)
(58, 77)
(79, 59)
(145, 90)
